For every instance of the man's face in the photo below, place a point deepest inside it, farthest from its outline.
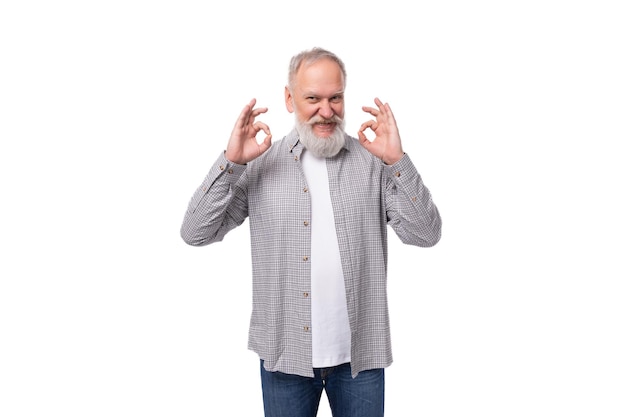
(317, 96)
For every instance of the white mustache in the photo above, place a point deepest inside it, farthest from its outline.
(321, 120)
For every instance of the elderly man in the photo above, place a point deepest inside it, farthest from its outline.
(318, 203)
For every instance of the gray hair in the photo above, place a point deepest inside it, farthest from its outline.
(310, 56)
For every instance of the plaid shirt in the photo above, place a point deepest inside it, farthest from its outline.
(272, 193)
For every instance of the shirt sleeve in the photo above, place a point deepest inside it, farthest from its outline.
(411, 212)
(218, 205)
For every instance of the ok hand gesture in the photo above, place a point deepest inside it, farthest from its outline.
(386, 144)
(242, 145)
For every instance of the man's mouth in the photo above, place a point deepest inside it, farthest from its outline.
(324, 128)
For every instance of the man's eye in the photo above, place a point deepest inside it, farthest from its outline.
(336, 99)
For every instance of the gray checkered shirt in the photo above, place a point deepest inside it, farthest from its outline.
(272, 193)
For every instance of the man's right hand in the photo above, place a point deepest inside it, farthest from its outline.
(243, 146)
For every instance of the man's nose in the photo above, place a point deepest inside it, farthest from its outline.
(325, 110)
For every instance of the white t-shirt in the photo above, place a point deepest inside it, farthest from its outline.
(329, 312)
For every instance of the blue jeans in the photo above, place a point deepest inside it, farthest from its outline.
(287, 395)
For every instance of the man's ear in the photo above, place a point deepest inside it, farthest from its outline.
(288, 100)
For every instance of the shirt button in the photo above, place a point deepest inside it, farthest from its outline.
(306, 190)
(306, 223)
(414, 199)
(295, 158)
(204, 189)
(397, 174)
(305, 294)
(230, 171)
(306, 328)
(221, 167)
(305, 258)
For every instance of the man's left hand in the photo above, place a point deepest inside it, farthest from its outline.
(386, 145)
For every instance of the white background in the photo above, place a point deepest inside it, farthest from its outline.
(111, 113)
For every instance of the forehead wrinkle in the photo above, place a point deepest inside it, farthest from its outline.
(319, 88)
(320, 94)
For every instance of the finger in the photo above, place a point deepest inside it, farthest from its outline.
(258, 111)
(384, 107)
(244, 116)
(265, 145)
(389, 114)
(258, 126)
(374, 112)
(369, 124)
(362, 137)
(385, 110)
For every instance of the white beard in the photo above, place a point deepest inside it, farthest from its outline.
(321, 147)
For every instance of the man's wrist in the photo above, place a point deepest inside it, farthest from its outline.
(392, 160)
